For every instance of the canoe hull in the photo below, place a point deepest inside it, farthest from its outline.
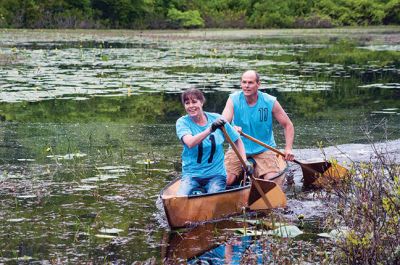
(183, 211)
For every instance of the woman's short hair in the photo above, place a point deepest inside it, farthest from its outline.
(192, 93)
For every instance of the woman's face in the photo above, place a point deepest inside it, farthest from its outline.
(193, 106)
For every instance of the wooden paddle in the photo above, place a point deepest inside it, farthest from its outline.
(311, 171)
(254, 181)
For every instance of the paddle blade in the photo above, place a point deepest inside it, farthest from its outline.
(271, 190)
(322, 174)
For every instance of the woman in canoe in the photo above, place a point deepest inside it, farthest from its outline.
(203, 154)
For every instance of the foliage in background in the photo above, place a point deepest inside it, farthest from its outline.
(185, 19)
(140, 14)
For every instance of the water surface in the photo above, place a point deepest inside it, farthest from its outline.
(87, 135)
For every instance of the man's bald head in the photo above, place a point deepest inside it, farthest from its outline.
(252, 73)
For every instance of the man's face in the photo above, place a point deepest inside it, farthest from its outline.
(249, 84)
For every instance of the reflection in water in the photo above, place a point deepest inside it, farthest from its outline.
(211, 243)
(228, 253)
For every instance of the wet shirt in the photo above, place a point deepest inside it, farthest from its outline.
(207, 158)
(255, 121)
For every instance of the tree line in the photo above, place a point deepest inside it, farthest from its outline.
(175, 14)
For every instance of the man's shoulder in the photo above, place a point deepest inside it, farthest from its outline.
(236, 94)
(266, 96)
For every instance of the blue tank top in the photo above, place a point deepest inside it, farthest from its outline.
(255, 121)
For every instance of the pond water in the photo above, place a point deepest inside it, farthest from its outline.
(88, 125)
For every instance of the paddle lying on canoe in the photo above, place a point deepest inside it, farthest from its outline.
(317, 174)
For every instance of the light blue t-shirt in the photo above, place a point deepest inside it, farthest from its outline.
(255, 121)
(207, 158)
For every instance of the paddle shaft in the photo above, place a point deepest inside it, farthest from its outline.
(267, 146)
(259, 189)
(276, 151)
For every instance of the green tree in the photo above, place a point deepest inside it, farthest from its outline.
(186, 19)
(30, 13)
(366, 12)
(392, 12)
(271, 14)
(121, 13)
(352, 12)
(224, 13)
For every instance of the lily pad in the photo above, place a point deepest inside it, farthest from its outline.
(26, 159)
(109, 168)
(110, 230)
(248, 232)
(23, 258)
(158, 170)
(288, 231)
(67, 156)
(72, 156)
(16, 220)
(334, 234)
(100, 178)
(118, 170)
(105, 236)
(84, 188)
(264, 223)
(27, 196)
(145, 162)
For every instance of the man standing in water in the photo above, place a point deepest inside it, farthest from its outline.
(251, 111)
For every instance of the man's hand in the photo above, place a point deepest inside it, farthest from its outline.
(217, 124)
(289, 156)
(238, 129)
(249, 168)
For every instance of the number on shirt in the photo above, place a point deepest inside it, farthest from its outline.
(263, 112)
(213, 149)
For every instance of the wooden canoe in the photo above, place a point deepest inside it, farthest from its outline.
(183, 211)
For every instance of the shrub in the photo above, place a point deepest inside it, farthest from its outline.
(368, 209)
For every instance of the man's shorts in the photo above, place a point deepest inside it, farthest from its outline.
(266, 162)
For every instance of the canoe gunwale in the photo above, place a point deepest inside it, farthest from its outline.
(279, 174)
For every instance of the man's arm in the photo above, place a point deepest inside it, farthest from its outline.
(284, 120)
(228, 114)
(228, 110)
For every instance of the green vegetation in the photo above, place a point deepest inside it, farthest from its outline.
(159, 14)
(366, 212)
